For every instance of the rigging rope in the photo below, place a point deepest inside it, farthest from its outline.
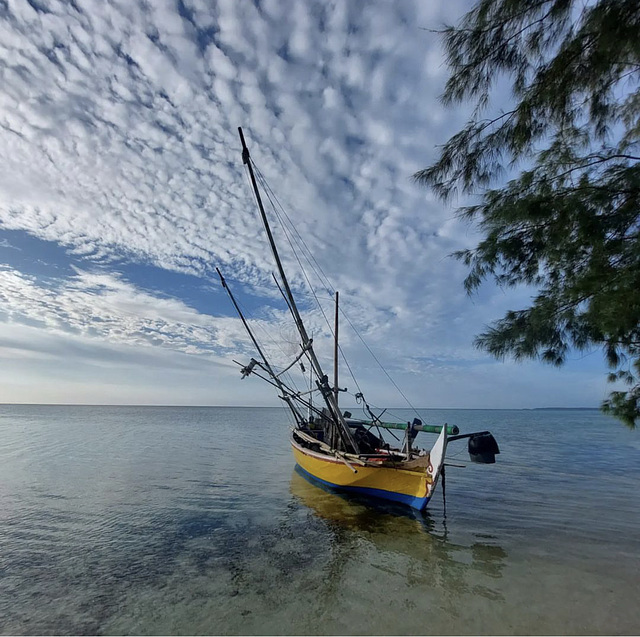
(269, 337)
(306, 253)
(326, 282)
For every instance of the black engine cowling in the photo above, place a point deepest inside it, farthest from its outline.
(483, 448)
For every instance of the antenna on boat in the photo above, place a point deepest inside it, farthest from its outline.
(335, 353)
(329, 394)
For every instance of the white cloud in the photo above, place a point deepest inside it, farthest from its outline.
(118, 140)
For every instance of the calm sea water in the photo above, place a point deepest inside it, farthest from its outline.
(120, 520)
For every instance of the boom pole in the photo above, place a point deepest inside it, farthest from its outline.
(265, 360)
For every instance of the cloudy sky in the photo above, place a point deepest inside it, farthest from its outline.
(122, 189)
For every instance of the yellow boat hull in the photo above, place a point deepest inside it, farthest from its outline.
(410, 487)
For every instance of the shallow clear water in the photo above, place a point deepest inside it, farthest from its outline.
(120, 520)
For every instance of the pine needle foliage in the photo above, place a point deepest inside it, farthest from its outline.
(570, 222)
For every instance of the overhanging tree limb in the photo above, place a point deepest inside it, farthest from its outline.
(570, 224)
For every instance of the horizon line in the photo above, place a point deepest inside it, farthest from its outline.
(347, 407)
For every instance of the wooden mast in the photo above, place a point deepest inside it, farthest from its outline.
(335, 352)
(335, 360)
(327, 393)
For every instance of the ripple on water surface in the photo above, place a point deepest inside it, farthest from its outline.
(168, 520)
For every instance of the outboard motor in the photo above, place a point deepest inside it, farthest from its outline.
(483, 448)
(410, 435)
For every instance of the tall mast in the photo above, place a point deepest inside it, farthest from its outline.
(246, 159)
(328, 394)
(335, 352)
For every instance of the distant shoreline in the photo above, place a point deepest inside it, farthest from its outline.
(565, 409)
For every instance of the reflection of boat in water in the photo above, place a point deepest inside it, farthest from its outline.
(356, 523)
(328, 444)
(352, 510)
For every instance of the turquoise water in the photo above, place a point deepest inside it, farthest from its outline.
(122, 520)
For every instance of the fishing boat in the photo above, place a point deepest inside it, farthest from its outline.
(329, 445)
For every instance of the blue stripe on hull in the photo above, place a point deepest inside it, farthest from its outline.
(409, 500)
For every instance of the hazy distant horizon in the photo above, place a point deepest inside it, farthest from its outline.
(343, 407)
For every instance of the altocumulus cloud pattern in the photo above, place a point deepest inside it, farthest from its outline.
(122, 188)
